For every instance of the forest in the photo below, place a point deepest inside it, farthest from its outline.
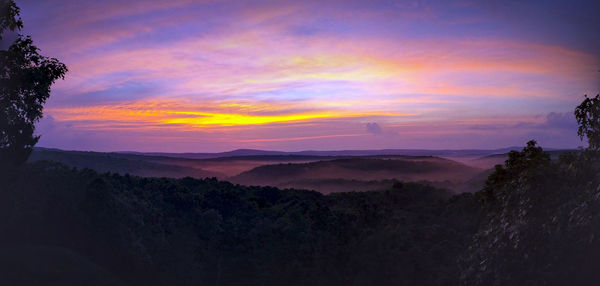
(535, 222)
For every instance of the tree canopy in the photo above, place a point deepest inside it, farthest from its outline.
(588, 117)
(25, 81)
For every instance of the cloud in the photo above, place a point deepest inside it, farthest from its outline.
(162, 115)
(374, 128)
(181, 68)
(560, 121)
(553, 121)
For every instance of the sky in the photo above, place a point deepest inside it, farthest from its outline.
(210, 76)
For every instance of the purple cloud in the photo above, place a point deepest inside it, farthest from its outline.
(374, 128)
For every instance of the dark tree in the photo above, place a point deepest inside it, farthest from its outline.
(526, 164)
(9, 17)
(25, 80)
(588, 117)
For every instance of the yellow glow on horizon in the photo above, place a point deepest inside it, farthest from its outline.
(177, 115)
(222, 119)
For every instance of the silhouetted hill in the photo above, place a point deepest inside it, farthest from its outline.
(356, 171)
(348, 173)
(234, 165)
(120, 163)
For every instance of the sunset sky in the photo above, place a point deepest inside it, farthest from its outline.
(206, 76)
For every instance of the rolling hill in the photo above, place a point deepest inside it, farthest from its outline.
(353, 174)
(146, 166)
(326, 174)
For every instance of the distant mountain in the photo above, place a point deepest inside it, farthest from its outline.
(234, 153)
(407, 152)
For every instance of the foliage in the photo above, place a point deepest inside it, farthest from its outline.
(541, 222)
(539, 225)
(528, 163)
(542, 216)
(9, 17)
(25, 80)
(162, 231)
(588, 117)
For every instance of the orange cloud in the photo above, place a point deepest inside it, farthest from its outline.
(297, 138)
(174, 114)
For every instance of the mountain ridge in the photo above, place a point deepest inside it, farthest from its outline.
(349, 152)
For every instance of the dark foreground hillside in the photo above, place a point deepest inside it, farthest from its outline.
(536, 222)
(150, 231)
(543, 222)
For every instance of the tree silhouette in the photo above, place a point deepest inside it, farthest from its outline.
(588, 117)
(25, 80)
